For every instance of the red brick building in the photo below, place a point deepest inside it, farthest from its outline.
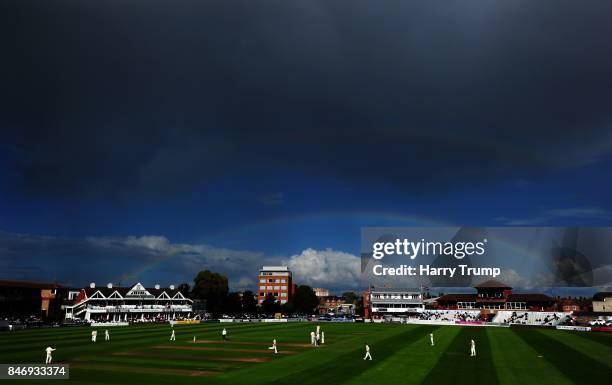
(330, 304)
(492, 296)
(275, 280)
(26, 298)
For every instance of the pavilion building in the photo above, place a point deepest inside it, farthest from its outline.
(129, 304)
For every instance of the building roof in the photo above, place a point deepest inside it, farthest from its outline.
(106, 291)
(400, 290)
(29, 284)
(331, 298)
(602, 295)
(89, 291)
(274, 268)
(529, 298)
(457, 298)
(569, 301)
(492, 284)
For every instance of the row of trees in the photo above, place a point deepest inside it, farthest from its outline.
(213, 289)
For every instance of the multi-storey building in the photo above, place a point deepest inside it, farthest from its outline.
(274, 280)
(320, 292)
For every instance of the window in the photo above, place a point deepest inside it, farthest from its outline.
(283, 287)
(465, 305)
(262, 281)
(269, 287)
(283, 281)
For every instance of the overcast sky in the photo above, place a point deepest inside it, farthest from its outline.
(146, 140)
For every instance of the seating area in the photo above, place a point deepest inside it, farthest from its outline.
(531, 318)
(450, 315)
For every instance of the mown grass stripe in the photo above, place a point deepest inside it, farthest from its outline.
(352, 361)
(517, 363)
(339, 360)
(409, 359)
(603, 338)
(575, 365)
(457, 367)
(411, 364)
(597, 352)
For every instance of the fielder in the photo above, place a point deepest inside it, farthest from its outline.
(49, 350)
(273, 347)
(106, 335)
(431, 339)
(224, 334)
(94, 335)
(312, 338)
(472, 348)
(367, 355)
(173, 336)
(322, 337)
(318, 338)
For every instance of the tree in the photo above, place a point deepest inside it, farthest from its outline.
(249, 304)
(359, 307)
(287, 308)
(211, 287)
(350, 297)
(184, 289)
(233, 304)
(270, 305)
(305, 300)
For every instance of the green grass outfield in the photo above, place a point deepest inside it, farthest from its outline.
(402, 355)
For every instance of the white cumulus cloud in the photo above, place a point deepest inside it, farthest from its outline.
(327, 268)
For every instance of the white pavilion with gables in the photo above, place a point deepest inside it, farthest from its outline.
(129, 304)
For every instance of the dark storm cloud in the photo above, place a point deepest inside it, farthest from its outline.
(116, 98)
(78, 260)
(117, 259)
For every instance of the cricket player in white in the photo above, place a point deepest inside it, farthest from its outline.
(273, 347)
(94, 335)
(317, 338)
(106, 335)
(172, 336)
(49, 350)
(224, 334)
(367, 355)
(322, 337)
(312, 338)
(472, 348)
(431, 338)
